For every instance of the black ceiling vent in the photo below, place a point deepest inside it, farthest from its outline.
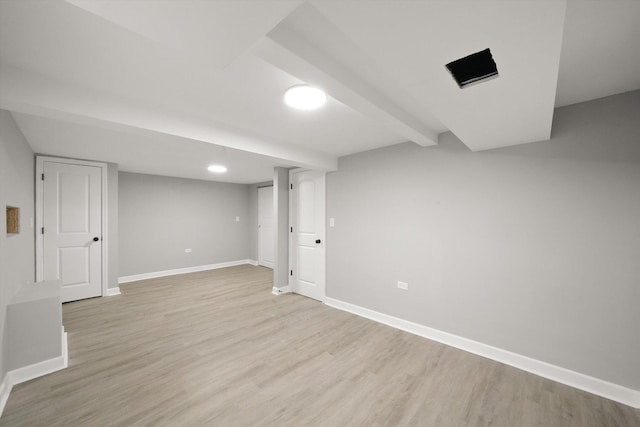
(474, 68)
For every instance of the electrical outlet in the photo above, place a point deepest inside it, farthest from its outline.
(403, 285)
(237, 219)
(187, 251)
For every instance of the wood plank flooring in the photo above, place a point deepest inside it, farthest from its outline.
(217, 348)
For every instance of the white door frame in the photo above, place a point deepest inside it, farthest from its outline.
(40, 214)
(259, 227)
(323, 248)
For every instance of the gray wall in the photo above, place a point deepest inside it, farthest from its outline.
(17, 260)
(38, 320)
(159, 217)
(34, 325)
(533, 248)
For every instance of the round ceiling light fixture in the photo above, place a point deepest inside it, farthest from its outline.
(217, 169)
(305, 97)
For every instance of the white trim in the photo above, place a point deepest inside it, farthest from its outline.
(5, 391)
(153, 275)
(113, 291)
(580, 381)
(65, 348)
(281, 290)
(39, 207)
(35, 370)
(252, 262)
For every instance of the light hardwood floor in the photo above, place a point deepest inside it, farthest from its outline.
(217, 348)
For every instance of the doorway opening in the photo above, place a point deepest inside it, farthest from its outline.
(266, 227)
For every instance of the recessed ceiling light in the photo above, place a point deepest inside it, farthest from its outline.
(305, 97)
(217, 169)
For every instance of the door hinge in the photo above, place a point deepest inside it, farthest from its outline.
(42, 231)
(43, 177)
(291, 273)
(292, 229)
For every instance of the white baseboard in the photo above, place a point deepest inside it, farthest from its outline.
(252, 262)
(580, 381)
(113, 291)
(65, 348)
(5, 390)
(36, 370)
(45, 367)
(281, 290)
(27, 373)
(155, 274)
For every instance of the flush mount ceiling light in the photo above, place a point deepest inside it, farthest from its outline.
(217, 169)
(304, 97)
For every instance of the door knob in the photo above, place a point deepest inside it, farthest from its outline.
(95, 239)
(318, 241)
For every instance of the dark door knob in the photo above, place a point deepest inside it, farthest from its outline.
(95, 239)
(318, 241)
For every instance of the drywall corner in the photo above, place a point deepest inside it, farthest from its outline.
(281, 206)
(112, 226)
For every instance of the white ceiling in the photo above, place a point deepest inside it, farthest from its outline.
(143, 152)
(161, 86)
(421, 37)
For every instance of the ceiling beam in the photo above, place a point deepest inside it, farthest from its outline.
(218, 32)
(289, 51)
(29, 93)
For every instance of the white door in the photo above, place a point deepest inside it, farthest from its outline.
(266, 231)
(72, 228)
(307, 216)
